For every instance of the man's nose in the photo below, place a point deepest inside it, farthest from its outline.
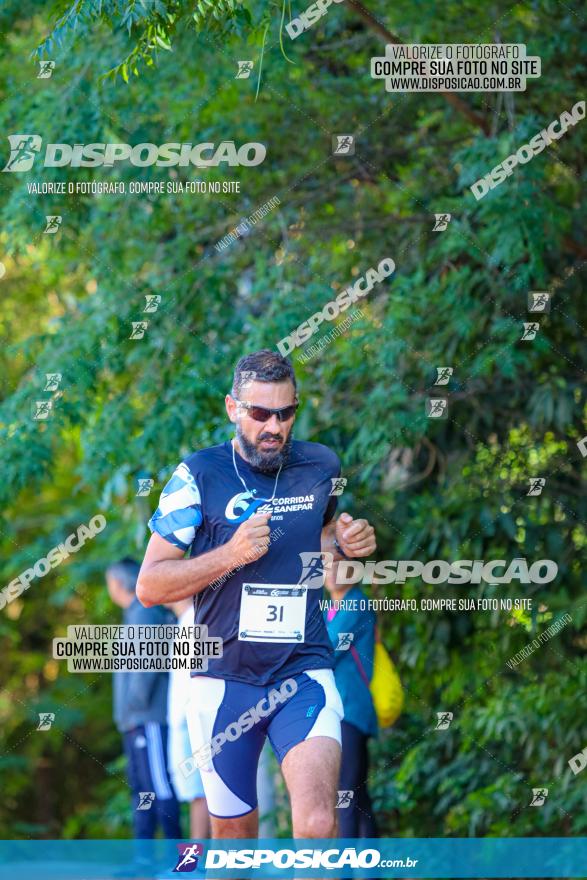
(273, 425)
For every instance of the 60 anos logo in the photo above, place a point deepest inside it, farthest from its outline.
(242, 506)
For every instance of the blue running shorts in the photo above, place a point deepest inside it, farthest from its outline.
(229, 720)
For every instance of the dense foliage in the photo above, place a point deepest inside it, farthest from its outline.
(137, 72)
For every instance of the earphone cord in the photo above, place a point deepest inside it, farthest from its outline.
(267, 500)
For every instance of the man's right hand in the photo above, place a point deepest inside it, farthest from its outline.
(251, 539)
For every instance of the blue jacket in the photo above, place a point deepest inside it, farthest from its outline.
(354, 692)
(141, 696)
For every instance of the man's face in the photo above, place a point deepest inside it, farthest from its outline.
(264, 444)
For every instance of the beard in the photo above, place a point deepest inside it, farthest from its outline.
(266, 462)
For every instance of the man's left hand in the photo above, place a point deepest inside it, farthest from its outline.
(355, 536)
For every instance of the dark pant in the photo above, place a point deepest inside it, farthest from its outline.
(356, 819)
(146, 752)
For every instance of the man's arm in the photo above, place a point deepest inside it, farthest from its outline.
(355, 537)
(165, 576)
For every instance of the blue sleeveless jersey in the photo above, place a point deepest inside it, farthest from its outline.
(200, 509)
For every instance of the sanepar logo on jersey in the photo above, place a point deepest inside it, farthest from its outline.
(24, 149)
(242, 506)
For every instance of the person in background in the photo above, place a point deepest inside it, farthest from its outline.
(189, 789)
(352, 633)
(140, 714)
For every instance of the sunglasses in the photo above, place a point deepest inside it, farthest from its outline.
(262, 414)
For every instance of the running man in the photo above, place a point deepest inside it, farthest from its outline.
(253, 513)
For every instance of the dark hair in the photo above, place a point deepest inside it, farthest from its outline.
(126, 571)
(262, 366)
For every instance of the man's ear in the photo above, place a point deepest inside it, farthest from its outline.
(231, 408)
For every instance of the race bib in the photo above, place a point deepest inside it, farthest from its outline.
(272, 613)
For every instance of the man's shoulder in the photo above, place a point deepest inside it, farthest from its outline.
(210, 457)
(308, 452)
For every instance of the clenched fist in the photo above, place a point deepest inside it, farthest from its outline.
(356, 537)
(251, 539)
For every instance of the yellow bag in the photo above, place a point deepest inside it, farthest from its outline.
(385, 686)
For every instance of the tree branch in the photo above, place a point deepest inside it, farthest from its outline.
(457, 103)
